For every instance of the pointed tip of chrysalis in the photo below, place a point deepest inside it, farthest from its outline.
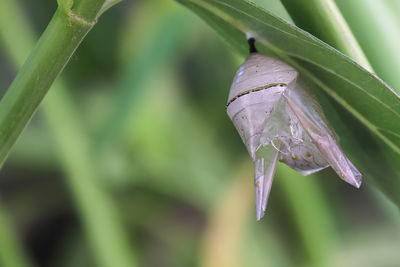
(264, 171)
(353, 180)
(260, 214)
(252, 47)
(259, 194)
(354, 177)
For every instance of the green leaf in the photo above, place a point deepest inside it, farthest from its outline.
(323, 19)
(365, 110)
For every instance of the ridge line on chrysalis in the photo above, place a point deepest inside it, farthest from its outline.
(255, 90)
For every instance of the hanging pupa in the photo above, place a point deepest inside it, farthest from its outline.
(279, 120)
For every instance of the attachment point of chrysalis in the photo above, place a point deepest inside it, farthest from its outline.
(252, 46)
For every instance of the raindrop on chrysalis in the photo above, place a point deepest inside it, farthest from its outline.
(278, 119)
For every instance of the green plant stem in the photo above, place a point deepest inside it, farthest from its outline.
(69, 25)
(323, 19)
(100, 216)
(11, 253)
(87, 9)
(45, 62)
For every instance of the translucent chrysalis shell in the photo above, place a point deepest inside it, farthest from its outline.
(279, 120)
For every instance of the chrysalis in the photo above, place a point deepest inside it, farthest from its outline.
(279, 120)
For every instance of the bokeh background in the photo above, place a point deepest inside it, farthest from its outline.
(149, 85)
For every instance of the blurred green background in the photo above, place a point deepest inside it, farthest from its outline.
(149, 86)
